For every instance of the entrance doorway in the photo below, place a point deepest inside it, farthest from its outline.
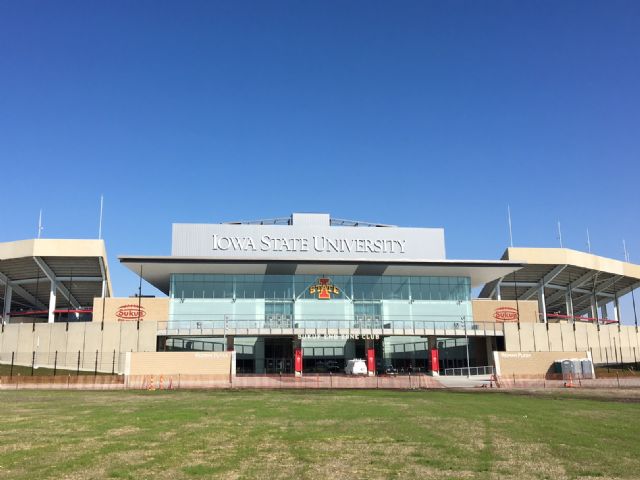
(360, 349)
(278, 355)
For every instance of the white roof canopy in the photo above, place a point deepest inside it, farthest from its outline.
(157, 270)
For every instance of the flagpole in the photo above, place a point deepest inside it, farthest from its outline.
(560, 234)
(100, 223)
(510, 230)
(40, 224)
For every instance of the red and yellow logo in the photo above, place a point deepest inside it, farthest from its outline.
(324, 289)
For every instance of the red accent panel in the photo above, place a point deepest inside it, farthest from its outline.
(298, 359)
(371, 359)
(435, 363)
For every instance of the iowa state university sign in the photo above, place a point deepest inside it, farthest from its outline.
(293, 242)
(317, 243)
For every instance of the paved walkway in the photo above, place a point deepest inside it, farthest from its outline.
(451, 381)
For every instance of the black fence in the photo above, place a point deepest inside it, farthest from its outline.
(79, 362)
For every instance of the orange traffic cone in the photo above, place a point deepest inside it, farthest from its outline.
(569, 384)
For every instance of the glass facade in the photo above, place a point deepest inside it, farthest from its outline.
(273, 355)
(363, 287)
(313, 301)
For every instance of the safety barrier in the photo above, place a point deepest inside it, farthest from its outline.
(176, 382)
(559, 381)
(289, 381)
(62, 382)
(405, 382)
(466, 371)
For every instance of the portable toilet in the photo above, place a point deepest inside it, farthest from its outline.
(576, 368)
(587, 368)
(557, 366)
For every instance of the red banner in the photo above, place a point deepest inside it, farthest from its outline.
(298, 362)
(371, 360)
(435, 364)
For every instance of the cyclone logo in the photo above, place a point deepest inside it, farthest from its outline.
(324, 289)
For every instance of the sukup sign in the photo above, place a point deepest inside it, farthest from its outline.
(130, 312)
(324, 289)
(505, 314)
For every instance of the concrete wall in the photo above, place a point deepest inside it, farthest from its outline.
(125, 309)
(530, 363)
(606, 343)
(104, 344)
(109, 339)
(176, 363)
(504, 311)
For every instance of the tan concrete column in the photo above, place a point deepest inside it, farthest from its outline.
(489, 345)
(542, 306)
(52, 302)
(616, 309)
(7, 303)
(569, 303)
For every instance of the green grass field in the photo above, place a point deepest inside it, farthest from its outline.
(316, 434)
(22, 371)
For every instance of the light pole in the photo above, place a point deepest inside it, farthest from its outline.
(224, 333)
(466, 337)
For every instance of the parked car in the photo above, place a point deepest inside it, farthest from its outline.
(356, 367)
(332, 366)
(388, 370)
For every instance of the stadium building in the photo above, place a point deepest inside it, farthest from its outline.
(308, 293)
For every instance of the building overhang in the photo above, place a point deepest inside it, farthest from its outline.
(561, 270)
(157, 270)
(78, 267)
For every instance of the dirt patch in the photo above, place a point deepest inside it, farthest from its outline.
(624, 395)
(359, 459)
(519, 461)
(119, 432)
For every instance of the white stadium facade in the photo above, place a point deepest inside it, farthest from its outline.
(306, 294)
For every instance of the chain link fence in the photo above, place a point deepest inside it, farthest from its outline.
(276, 382)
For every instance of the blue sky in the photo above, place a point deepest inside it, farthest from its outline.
(409, 113)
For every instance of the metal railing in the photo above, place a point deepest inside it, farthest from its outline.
(239, 325)
(468, 371)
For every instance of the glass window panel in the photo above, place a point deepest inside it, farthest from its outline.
(290, 286)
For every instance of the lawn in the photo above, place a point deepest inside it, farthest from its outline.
(316, 434)
(24, 371)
